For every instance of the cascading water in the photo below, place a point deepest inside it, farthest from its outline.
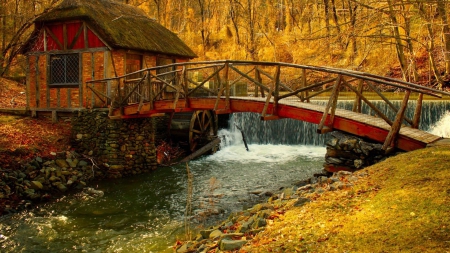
(442, 127)
(294, 132)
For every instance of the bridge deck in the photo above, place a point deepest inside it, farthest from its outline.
(362, 125)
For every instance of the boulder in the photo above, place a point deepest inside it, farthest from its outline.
(215, 234)
(227, 244)
(60, 186)
(36, 185)
(62, 163)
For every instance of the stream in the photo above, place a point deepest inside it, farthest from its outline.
(146, 213)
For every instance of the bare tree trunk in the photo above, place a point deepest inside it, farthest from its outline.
(352, 12)
(327, 16)
(410, 43)
(445, 34)
(430, 48)
(335, 17)
(234, 19)
(398, 40)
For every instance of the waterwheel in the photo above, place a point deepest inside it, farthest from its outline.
(193, 129)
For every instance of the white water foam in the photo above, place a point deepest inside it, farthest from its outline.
(442, 127)
(233, 149)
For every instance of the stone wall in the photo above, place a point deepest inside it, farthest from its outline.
(348, 152)
(121, 146)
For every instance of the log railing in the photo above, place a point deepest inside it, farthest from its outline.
(272, 81)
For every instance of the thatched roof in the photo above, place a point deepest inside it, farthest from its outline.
(121, 26)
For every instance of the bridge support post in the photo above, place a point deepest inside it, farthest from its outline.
(332, 103)
(391, 138)
(357, 105)
(305, 94)
(417, 112)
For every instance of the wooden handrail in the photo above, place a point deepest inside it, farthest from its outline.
(268, 80)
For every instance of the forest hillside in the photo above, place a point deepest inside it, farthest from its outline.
(408, 39)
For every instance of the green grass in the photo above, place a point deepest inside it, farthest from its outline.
(402, 206)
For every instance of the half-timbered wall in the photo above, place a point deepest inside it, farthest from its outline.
(67, 55)
(63, 57)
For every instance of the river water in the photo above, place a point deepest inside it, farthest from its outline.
(146, 213)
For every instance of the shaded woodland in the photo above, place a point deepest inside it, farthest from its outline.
(408, 39)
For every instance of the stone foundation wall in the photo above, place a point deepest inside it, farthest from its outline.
(121, 146)
(348, 152)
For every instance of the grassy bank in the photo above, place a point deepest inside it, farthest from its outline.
(402, 205)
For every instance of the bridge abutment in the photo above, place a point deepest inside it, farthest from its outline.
(120, 147)
(348, 152)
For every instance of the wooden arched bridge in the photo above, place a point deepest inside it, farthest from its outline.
(275, 90)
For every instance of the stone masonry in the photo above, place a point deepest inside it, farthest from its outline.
(122, 146)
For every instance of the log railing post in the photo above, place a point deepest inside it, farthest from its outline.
(391, 138)
(119, 94)
(417, 112)
(266, 105)
(304, 94)
(332, 101)
(357, 104)
(185, 85)
(259, 80)
(257, 77)
(222, 86)
(276, 90)
(227, 87)
(151, 90)
(178, 87)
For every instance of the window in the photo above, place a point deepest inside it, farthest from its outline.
(64, 69)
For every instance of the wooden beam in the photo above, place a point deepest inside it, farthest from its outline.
(60, 45)
(202, 150)
(75, 39)
(47, 77)
(258, 78)
(357, 105)
(222, 87)
(333, 97)
(262, 86)
(227, 87)
(385, 99)
(127, 96)
(38, 83)
(281, 84)
(417, 112)
(54, 117)
(266, 105)
(372, 106)
(178, 88)
(277, 90)
(65, 37)
(206, 80)
(318, 93)
(310, 87)
(391, 139)
(304, 96)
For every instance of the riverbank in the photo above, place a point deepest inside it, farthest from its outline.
(399, 205)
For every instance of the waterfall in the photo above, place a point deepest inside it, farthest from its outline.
(283, 131)
(291, 132)
(442, 127)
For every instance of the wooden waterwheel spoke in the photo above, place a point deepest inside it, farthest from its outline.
(196, 131)
(207, 124)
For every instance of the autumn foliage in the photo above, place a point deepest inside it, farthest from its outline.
(22, 138)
